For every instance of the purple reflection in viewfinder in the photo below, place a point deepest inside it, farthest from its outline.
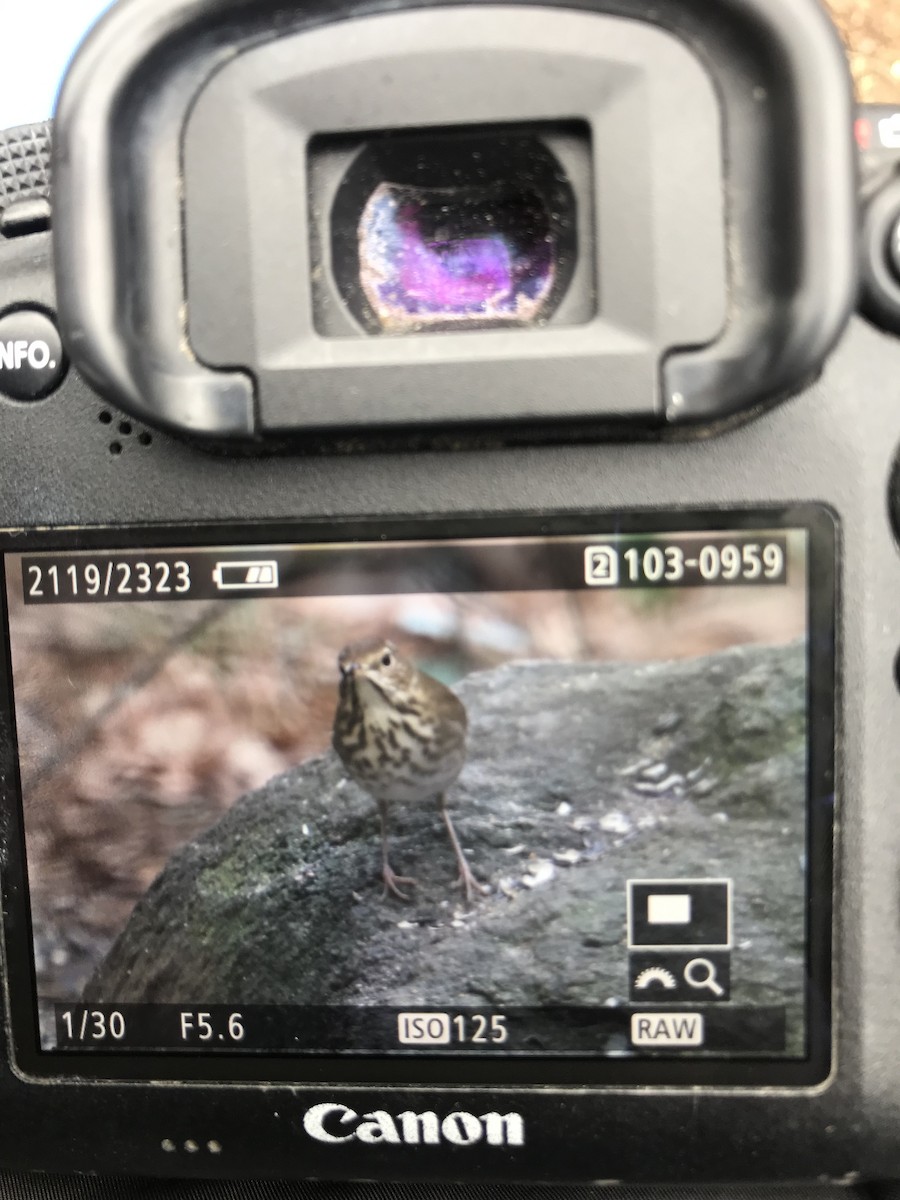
(437, 257)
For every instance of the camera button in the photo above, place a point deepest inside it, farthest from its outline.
(32, 361)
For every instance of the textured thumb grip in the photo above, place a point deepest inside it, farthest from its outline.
(24, 163)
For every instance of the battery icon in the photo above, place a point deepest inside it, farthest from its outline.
(245, 576)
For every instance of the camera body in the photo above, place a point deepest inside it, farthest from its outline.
(252, 369)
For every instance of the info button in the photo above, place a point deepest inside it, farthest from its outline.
(32, 363)
(676, 914)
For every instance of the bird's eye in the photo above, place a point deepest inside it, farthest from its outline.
(386, 659)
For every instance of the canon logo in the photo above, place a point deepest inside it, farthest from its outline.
(336, 1123)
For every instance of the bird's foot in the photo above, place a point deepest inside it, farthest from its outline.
(471, 887)
(392, 884)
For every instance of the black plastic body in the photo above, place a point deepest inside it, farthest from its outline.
(67, 461)
(189, 120)
(833, 444)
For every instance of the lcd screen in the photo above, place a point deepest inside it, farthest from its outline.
(509, 796)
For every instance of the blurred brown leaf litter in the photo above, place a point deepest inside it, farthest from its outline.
(871, 33)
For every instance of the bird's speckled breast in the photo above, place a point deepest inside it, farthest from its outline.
(401, 756)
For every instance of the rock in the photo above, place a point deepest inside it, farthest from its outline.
(667, 723)
(280, 902)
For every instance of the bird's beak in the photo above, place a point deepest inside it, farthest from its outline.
(348, 670)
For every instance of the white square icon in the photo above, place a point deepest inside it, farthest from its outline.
(601, 566)
(669, 909)
(673, 914)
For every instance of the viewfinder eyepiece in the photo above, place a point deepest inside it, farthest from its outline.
(452, 230)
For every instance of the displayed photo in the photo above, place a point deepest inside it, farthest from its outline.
(424, 783)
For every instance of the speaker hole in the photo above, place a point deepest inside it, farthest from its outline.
(105, 418)
(115, 448)
(145, 439)
(125, 428)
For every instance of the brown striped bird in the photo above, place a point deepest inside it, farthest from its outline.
(402, 737)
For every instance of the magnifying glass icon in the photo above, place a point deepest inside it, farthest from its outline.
(701, 973)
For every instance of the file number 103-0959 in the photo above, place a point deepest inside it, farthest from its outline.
(738, 562)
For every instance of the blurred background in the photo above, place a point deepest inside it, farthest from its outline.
(40, 37)
(871, 33)
(140, 724)
(38, 40)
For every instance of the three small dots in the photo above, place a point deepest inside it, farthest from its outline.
(191, 1146)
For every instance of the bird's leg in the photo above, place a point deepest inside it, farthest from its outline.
(467, 880)
(391, 881)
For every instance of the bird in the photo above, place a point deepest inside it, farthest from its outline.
(401, 734)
